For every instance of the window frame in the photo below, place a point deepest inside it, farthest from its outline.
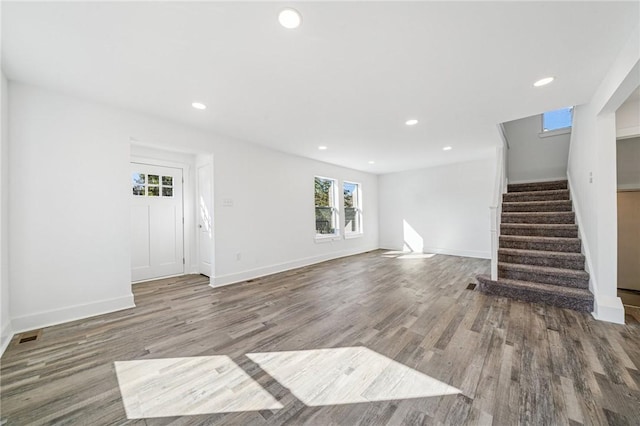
(555, 132)
(334, 205)
(358, 208)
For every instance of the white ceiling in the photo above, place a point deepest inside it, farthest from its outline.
(348, 78)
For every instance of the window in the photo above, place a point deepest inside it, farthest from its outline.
(326, 207)
(557, 120)
(352, 209)
(140, 181)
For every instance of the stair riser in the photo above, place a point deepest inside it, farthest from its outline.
(561, 217)
(552, 262)
(515, 197)
(537, 207)
(566, 247)
(534, 296)
(540, 232)
(541, 186)
(543, 278)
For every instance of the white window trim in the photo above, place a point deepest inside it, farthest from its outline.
(557, 132)
(360, 233)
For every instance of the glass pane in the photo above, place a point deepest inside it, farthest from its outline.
(167, 192)
(154, 180)
(325, 220)
(153, 191)
(323, 192)
(349, 191)
(138, 189)
(350, 219)
(137, 178)
(167, 180)
(558, 119)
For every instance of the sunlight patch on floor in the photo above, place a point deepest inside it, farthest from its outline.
(347, 376)
(189, 386)
(395, 254)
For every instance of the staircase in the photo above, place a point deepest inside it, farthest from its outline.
(539, 257)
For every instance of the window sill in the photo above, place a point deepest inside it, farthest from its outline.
(327, 238)
(554, 132)
(353, 235)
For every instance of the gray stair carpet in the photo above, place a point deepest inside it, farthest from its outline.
(539, 254)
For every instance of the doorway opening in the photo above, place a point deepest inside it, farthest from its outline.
(171, 213)
(628, 199)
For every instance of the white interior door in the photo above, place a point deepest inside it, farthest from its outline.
(205, 219)
(157, 240)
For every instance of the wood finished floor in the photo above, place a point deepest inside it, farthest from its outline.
(512, 362)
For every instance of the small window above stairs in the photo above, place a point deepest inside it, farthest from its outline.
(539, 255)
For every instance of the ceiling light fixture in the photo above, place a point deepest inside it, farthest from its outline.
(322, 147)
(198, 105)
(447, 148)
(411, 122)
(372, 162)
(543, 81)
(290, 18)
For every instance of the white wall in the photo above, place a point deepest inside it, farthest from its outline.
(628, 117)
(592, 177)
(531, 157)
(446, 207)
(628, 159)
(70, 253)
(5, 311)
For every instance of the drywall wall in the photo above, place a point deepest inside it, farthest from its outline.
(628, 117)
(438, 210)
(70, 189)
(628, 160)
(5, 309)
(592, 177)
(532, 157)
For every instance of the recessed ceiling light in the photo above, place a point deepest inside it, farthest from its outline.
(543, 81)
(198, 105)
(447, 148)
(411, 122)
(322, 147)
(290, 18)
(372, 162)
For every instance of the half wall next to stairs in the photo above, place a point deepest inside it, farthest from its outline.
(539, 258)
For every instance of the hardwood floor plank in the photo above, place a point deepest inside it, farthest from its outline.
(503, 361)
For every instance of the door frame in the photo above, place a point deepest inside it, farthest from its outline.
(205, 160)
(186, 238)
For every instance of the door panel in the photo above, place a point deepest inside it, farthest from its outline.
(629, 240)
(157, 244)
(205, 219)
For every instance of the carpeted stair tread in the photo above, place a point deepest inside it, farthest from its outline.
(544, 274)
(537, 206)
(553, 259)
(565, 297)
(537, 217)
(537, 186)
(540, 243)
(540, 229)
(554, 194)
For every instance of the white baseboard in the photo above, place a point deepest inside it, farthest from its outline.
(282, 267)
(5, 337)
(604, 308)
(461, 253)
(609, 309)
(547, 179)
(446, 251)
(71, 313)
